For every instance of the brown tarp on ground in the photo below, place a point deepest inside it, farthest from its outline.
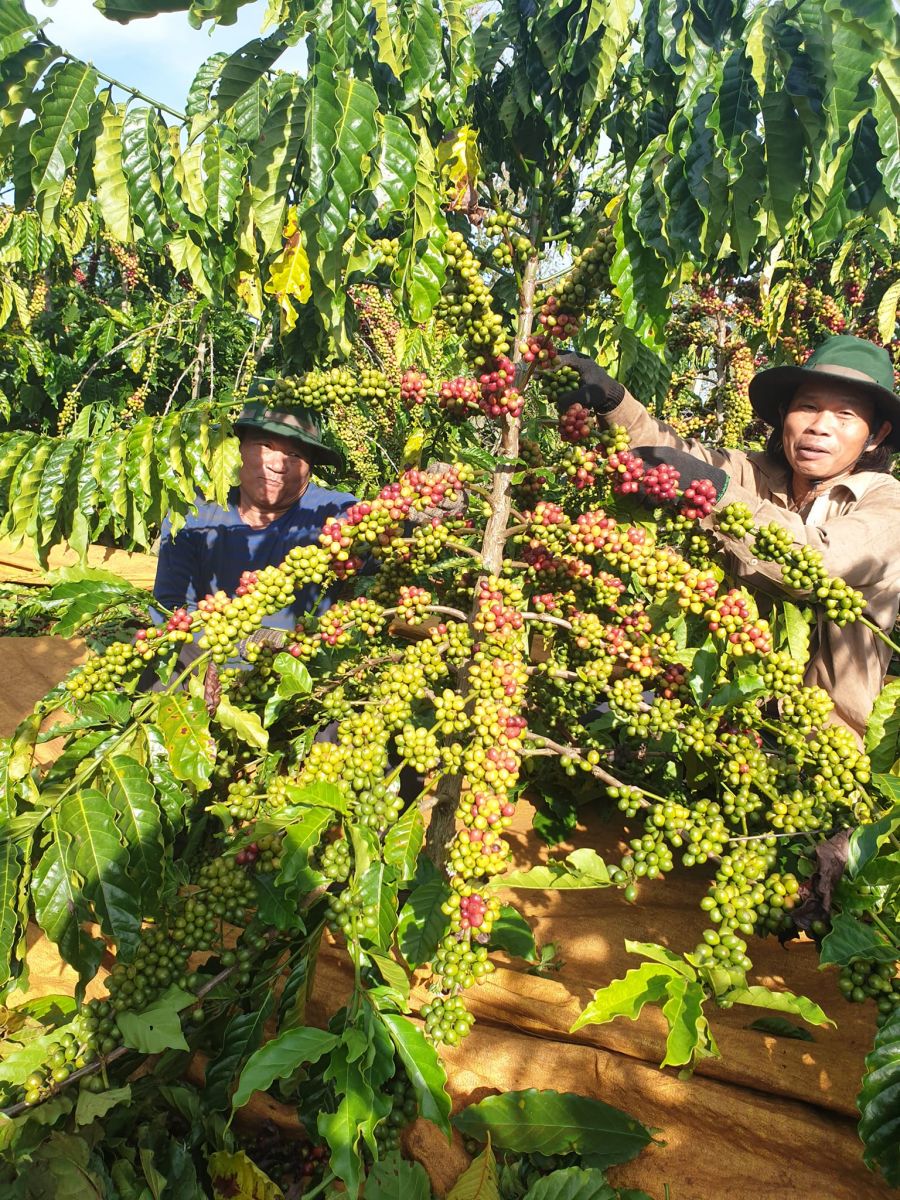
(773, 1118)
(19, 565)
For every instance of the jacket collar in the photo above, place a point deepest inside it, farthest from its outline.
(779, 478)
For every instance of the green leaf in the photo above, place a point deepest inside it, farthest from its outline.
(89, 819)
(403, 842)
(394, 165)
(879, 1103)
(300, 839)
(786, 1002)
(422, 922)
(21, 751)
(479, 1180)
(157, 1027)
(23, 490)
(548, 1122)
(421, 267)
(377, 890)
(294, 678)
(683, 1011)
(240, 1038)
(742, 688)
(625, 997)
(390, 35)
(319, 794)
(394, 1178)
(63, 112)
(703, 671)
(273, 162)
(184, 725)
(572, 1183)
(133, 797)
(660, 954)
(60, 909)
(92, 1105)
(866, 840)
(245, 68)
(796, 632)
(355, 1113)
(423, 1067)
(223, 166)
(850, 939)
(275, 906)
(246, 724)
(279, 1058)
(882, 739)
(10, 871)
(511, 932)
(583, 868)
(140, 164)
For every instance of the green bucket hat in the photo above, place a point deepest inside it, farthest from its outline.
(287, 421)
(843, 358)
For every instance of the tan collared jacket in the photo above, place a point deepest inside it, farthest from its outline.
(856, 526)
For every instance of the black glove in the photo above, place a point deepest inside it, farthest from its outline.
(689, 468)
(598, 391)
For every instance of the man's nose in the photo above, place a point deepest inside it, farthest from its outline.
(824, 422)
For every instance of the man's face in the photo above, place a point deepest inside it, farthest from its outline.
(826, 428)
(274, 470)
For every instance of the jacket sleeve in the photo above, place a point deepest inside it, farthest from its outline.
(177, 568)
(858, 546)
(644, 430)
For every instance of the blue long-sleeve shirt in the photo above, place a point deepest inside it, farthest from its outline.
(213, 548)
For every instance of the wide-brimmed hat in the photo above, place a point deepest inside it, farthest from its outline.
(294, 422)
(843, 358)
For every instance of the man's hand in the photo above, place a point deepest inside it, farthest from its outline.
(598, 391)
(690, 469)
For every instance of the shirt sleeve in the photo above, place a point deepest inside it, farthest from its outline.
(177, 568)
(645, 430)
(857, 546)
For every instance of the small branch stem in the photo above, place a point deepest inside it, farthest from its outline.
(547, 619)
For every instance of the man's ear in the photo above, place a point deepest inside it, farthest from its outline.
(875, 439)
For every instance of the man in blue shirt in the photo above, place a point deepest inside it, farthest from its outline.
(275, 507)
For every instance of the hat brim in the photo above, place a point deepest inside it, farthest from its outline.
(774, 388)
(319, 453)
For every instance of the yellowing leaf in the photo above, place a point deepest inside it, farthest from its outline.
(250, 292)
(412, 451)
(289, 281)
(479, 1180)
(237, 1177)
(460, 165)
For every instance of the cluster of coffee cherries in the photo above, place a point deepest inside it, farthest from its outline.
(538, 349)
(577, 423)
(735, 619)
(557, 323)
(404, 1110)
(698, 499)
(414, 387)
(498, 395)
(459, 397)
(447, 1020)
(314, 390)
(466, 302)
(802, 569)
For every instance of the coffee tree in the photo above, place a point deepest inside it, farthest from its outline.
(525, 605)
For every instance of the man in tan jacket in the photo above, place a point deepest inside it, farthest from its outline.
(824, 476)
